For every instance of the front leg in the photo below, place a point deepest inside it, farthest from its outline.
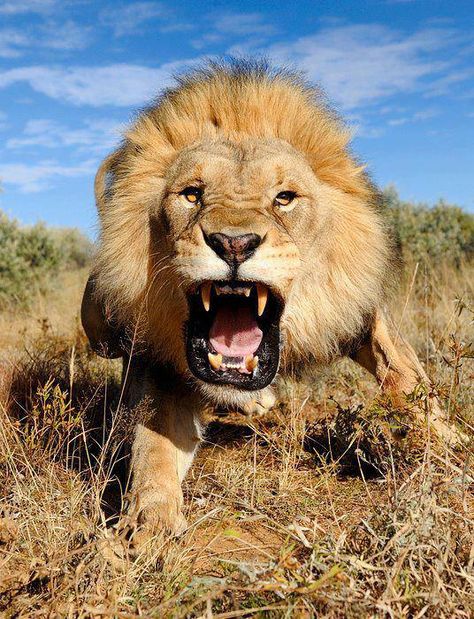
(165, 442)
(398, 371)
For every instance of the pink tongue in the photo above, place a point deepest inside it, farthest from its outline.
(235, 332)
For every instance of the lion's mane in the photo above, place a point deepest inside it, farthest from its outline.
(234, 101)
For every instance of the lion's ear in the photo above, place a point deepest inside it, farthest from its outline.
(104, 178)
(105, 336)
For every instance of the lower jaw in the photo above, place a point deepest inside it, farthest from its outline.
(258, 379)
(226, 395)
(227, 381)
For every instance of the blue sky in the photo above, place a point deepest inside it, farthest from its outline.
(72, 72)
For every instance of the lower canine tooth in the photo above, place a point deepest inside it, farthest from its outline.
(206, 295)
(215, 361)
(262, 293)
(251, 362)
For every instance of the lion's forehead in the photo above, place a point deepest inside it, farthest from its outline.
(252, 164)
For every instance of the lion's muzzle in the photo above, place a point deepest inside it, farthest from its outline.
(233, 249)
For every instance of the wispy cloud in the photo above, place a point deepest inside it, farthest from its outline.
(12, 43)
(17, 7)
(39, 176)
(65, 36)
(129, 18)
(243, 24)
(116, 85)
(359, 65)
(231, 25)
(444, 84)
(356, 65)
(95, 136)
(417, 117)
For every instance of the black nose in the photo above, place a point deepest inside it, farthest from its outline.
(233, 249)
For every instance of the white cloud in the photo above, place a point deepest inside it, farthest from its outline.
(11, 43)
(243, 24)
(420, 116)
(95, 136)
(366, 131)
(63, 36)
(51, 35)
(37, 177)
(17, 7)
(117, 85)
(358, 65)
(444, 84)
(254, 26)
(128, 18)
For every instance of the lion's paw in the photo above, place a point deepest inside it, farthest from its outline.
(441, 427)
(157, 512)
(449, 433)
(261, 404)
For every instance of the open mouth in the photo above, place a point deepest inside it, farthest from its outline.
(233, 333)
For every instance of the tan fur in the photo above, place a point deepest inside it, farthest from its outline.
(246, 134)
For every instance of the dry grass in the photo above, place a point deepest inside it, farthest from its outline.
(309, 511)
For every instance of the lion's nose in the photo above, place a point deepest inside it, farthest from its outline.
(233, 249)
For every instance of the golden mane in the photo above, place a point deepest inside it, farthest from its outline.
(236, 101)
(242, 99)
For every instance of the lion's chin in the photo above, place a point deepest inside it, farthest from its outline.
(227, 396)
(233, 334)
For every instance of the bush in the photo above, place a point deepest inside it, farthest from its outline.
(441, 232)
(32, 255)
(75, 247)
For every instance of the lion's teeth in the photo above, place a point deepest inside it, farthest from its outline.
(247, 292)
(206, 295)
(262, 293)
(215, 361)
(251, 362)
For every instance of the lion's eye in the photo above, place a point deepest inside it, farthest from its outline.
(284, 200)
(192, 194)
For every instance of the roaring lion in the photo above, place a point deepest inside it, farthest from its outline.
(239, 239)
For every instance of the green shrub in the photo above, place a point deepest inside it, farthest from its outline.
(75, 247)
(30, 256)
(430, 234)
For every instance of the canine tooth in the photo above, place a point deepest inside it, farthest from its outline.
(215, 361)
(251, 362)
(206, 295)
(247, 292)
(262, 293)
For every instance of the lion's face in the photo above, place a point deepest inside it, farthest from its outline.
(237, 229)
(238, 221)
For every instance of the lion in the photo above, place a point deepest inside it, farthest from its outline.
(239, 240)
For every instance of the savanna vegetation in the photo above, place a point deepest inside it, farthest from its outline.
(311, 510)
(32, 256)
